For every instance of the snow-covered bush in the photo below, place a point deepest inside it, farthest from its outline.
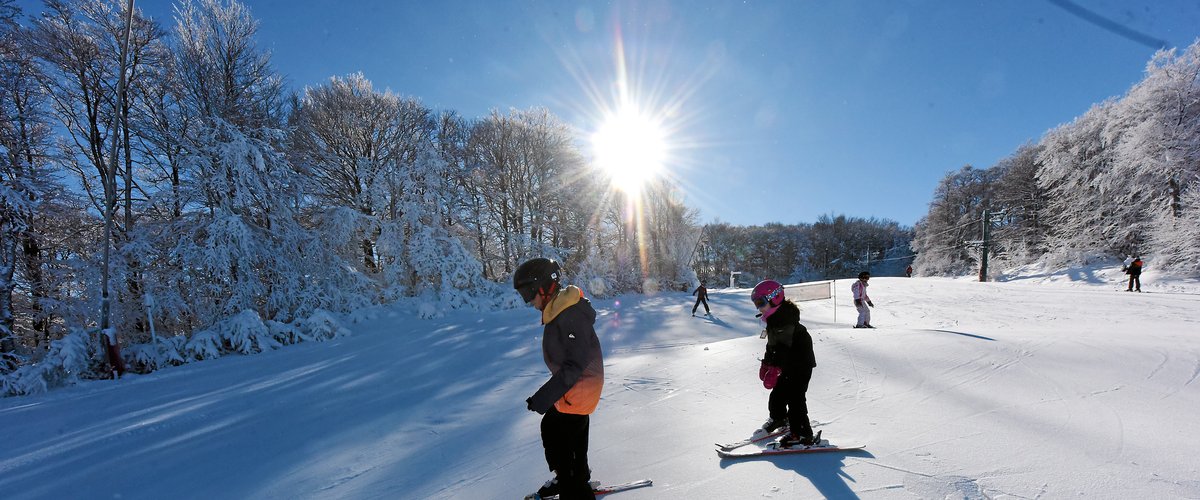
(65, 362)
(158, 353)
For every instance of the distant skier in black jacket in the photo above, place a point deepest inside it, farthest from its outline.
(789, 348)
(701, 294)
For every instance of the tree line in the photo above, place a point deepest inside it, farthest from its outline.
(1121, 179)
(243, 214)
(832, 247)
(238, 215)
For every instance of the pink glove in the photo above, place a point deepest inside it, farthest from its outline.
(769, 375)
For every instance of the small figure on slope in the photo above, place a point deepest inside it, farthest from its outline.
(1134, 269)
(572, 353)
(787, 365)
(862, 301)
(701, 294)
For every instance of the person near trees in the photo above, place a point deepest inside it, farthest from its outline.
(572, 352)
(1134, 270)
(701, 294)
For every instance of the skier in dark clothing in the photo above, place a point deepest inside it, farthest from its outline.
(790, 354)
(701, 294)
(1134, 270)
(572, 353)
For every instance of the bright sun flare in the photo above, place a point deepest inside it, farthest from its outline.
(631, 148)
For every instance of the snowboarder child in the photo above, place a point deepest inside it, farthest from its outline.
(862, 301)
(572, 353)
(787, 365)
(701, 294)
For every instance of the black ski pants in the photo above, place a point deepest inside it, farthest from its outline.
(788, 400)
(565, 438)
(700, 300)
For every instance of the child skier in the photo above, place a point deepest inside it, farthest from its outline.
(572, 353)
(790, 354)
(862, 301)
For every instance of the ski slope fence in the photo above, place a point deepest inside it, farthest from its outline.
(816, 290)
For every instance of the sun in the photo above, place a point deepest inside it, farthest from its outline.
(631, 147)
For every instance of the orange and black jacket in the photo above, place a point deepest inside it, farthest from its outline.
(572, 353)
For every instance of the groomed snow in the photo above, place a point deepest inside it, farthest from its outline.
(1049, 386)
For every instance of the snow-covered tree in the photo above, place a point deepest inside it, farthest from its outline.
(1022, 236)
(244, 249)
(1111, 183)
(954, 219)
(526, 169)
(1175, 238)
(24, 143)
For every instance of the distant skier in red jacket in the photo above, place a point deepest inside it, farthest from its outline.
(1134, 270)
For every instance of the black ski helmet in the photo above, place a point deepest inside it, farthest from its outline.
(535, 275)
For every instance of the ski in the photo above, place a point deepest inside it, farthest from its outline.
(758, 437)
(603, 489)
(773, 449)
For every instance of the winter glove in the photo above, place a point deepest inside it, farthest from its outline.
(529, 405)
(857, 302)
(770, 376)
(869, 303)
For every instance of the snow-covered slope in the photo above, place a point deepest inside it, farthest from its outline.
(1024, 389)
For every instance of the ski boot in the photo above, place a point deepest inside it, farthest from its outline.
(792, 440)
(773, 424)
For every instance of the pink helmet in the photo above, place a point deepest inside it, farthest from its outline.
(768, 294)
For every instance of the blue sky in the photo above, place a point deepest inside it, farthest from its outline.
(776, 111)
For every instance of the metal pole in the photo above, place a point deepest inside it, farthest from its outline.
(983, 260)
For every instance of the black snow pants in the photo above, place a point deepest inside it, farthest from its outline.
(565, 438)
(788, 400)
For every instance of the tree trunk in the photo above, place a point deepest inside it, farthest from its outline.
(8, 340)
